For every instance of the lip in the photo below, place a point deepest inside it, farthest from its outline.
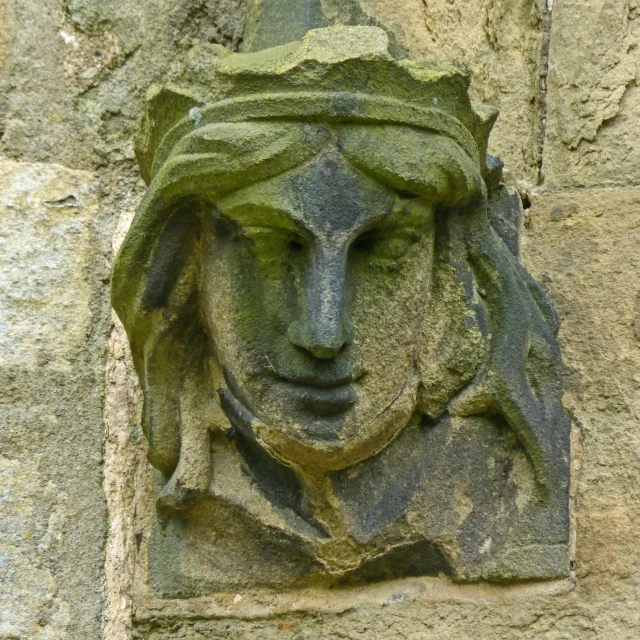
(322, 396)
(323, 401)
(318, 382)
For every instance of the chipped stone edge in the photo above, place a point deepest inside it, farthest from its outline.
(257, 605)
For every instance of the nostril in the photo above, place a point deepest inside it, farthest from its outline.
(323, 352)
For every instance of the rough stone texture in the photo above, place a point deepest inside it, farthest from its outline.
(78, 70)
(6, 29)
(351, 512)
(52, 344)
(126, 475)
(501, 43)
(73, 75)
(583, 245)
(60, 102)
(593, 100)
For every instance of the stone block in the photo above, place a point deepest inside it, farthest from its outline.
(52, 514)
(583, 247)
(356, 455)
(76, 72)
(593, 103)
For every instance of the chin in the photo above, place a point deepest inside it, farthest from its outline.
(323, 430)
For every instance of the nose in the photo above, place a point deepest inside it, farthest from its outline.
(321, 326)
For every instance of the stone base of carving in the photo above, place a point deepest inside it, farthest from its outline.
(455, 497)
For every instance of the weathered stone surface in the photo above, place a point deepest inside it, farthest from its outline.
(6, 30)
(593, 104)
(583, 246)
(315, 231)
(52, 312)
(77, 71)
(501, 43)
(125, 480)
(271, 23)
(63, 103)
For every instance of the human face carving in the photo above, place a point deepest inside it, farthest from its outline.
(315, 285)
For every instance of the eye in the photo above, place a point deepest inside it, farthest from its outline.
(274, 244)
(385, 246)
(407, 195)
(295, 245)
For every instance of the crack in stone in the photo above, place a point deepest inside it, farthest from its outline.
(542, 88)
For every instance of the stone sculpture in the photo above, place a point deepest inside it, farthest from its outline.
(347, 374)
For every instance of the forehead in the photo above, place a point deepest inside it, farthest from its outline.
(325, 194)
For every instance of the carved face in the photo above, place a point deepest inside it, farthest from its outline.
(315, 285)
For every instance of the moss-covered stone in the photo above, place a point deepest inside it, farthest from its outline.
(333, 340)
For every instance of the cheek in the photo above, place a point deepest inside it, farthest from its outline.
(246, 303)
(387, 311)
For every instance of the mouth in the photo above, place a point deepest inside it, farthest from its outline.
(322, 396)
(318, 382)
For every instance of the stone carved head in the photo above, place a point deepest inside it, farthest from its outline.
(314, 265)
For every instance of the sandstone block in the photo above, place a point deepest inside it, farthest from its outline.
(52, 516)
(583, 247)
(593, 100)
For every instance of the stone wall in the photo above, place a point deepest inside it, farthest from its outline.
(53, 312)
(73, 74)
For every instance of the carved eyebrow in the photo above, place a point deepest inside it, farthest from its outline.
(267, 210)
(249, 214)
